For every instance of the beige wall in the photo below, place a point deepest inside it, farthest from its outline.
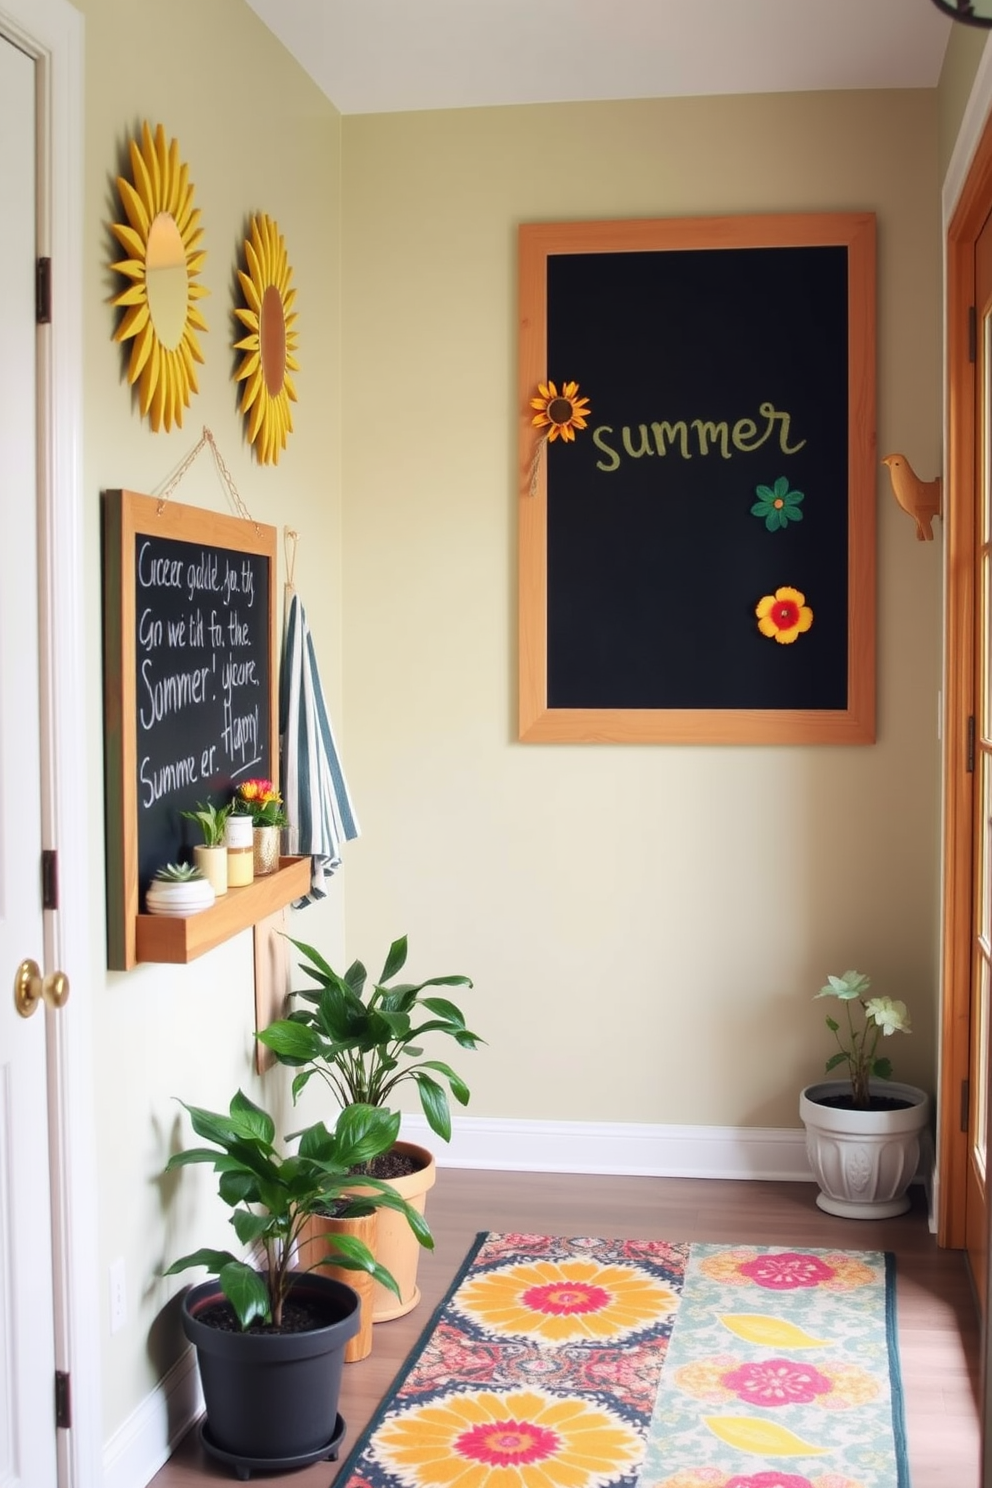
(646, 926)
(257, 136)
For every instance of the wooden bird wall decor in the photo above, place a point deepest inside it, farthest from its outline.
(921, 499)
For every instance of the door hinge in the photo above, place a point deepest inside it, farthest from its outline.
(43, 291)
(49, 879)
(971, 745)
(965, 1103)
(972, 334)
(63, 1412)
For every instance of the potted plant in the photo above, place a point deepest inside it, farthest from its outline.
(260, 800)
(269, 1339)
(210, 855)
(863, 1132)
(364, 1041)
(178, 889)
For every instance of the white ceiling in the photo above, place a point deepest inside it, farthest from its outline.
(380, 56)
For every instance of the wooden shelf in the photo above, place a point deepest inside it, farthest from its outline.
(182, 938)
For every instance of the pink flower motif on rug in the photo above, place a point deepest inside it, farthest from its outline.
(773, 1479)
(561, 1301)
(776, 1382)
(787, 1270)
(717, 1477)
(507, 1443)
(773, 1382)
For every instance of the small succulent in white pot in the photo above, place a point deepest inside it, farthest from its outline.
(178, 889)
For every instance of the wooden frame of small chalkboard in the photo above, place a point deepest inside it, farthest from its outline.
(190, 677)
(728, 453)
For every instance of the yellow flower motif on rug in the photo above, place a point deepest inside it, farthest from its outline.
(520, 1439)
(565, 1301)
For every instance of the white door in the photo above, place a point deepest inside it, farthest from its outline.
(27, 1349)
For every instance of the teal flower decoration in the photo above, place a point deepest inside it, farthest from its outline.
(777, 504)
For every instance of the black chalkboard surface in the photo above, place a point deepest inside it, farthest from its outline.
(190, 677)
(729, 372)
(203, 684)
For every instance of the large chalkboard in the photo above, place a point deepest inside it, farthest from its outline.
(729, 370)
(190, 675)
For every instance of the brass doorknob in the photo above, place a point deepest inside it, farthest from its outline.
(30, 988)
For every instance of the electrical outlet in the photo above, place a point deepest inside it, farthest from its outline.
(118, 1295)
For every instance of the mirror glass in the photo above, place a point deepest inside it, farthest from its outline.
(166, 280)
(272, 334)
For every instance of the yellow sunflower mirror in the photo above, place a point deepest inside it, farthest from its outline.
(162, 238)
(268, 317)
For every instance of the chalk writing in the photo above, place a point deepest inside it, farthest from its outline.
(686, 437)
(203, 670)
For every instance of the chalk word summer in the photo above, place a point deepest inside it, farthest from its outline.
(688, 437)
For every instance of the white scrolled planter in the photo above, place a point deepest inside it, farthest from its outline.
(864, 1161)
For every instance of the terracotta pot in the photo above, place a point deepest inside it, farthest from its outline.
(863, 1161)
(313, 1245)
(397, 1247)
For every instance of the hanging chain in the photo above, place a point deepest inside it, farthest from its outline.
(207, 438)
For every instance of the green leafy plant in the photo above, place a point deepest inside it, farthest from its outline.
(365, 1043)
(179, 873)
(212, 821)
(271, 1196)
(857, 1044)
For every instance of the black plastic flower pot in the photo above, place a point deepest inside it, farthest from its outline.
(273, 1397)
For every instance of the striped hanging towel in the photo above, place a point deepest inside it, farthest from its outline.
(315, 794)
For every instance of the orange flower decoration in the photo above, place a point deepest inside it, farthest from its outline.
(783, 615)
(560, 413)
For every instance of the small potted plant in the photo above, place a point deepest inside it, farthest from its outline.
(270, 1340)
(363, 1041)
(178, 889)
(210, 855)
(260, 800)
(863, 1132)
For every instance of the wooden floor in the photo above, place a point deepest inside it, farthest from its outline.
(938, 1328)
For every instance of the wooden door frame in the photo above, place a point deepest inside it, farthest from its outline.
(970, 212)
(51, 33)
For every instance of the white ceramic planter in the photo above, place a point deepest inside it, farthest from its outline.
(864, 1161)
(178, 899)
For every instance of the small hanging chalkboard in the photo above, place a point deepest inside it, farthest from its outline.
(190, 679)
(697, 540)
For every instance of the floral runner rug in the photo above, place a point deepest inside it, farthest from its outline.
(585, 1363)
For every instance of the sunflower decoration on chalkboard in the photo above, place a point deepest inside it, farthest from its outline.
(269, 319)
(558, 416)
(161, 238)
(784, 615)
(778, 504)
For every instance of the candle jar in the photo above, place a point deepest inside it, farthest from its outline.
(240, 842)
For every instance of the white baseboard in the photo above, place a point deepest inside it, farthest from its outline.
(632, 1148)
(136, 1451)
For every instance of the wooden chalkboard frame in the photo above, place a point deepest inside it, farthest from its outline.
(854, 724)
(126, 515)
